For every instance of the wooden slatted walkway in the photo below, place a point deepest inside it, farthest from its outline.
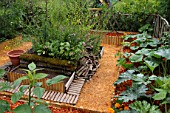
(70, 97)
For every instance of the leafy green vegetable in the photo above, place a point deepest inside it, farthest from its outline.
(144, 107)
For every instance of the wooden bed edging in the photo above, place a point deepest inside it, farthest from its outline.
(61, 86)
(54, 104)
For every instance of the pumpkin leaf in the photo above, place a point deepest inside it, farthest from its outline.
(136, 58)
(41, 109)
(134, 92)
(4, 106)
(23, 109)
(38, 91)
(2, 72)
(163, 53)
(16, 96)
(55, 79)
(152, 63)
(144, 107)
(32, 66)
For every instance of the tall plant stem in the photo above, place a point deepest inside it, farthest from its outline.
(166, 109)
(29, 97)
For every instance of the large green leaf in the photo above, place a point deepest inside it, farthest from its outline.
(38, 91)
(143, 51)
(56, 79)
(16, 96)
(124, 76)
(32, 66)
(41, 109)
(23, 87)
(160, 96)
(23, 109)
(2, 72)
(40, 76)
(152, 63)
(5, 86)
(19, 80)
(134, 47)
(141, 79)
(134, 92)
(144, 107)
(136, 58)
(4, 106)
(164, 53)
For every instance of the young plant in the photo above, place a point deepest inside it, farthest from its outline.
(32, 77)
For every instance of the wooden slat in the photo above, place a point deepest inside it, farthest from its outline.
(76, 99)
(50, 96)
(44, 95)
(56, 97)
(63, 97)
(72, 99)
(47, 95)
(70, 81)
(73, 93)
(66, 98)
(69, 99)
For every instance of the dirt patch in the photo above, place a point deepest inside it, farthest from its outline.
(12, 44)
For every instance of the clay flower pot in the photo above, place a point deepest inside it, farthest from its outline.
(14, 56)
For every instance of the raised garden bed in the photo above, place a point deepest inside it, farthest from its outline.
(60, 87)
(112, 37)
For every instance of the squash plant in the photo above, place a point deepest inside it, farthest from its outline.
(38, 91)
(148, 76)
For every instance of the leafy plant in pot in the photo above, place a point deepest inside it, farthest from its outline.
(14, 56)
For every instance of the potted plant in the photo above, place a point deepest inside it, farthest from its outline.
(14, 56)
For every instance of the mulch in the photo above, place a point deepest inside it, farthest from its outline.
(97, 92)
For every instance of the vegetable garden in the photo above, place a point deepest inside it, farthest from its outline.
(85, 56)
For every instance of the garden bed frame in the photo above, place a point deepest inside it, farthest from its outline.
(60, 87)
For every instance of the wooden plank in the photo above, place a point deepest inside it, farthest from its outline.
(78, 84)
(50, 96)
(69, 99)
(70, 81)
(47, 95)
(63, 97)
(76, 99)
(75, 88)
(44, 95)
(56, 97)
(66, 98)
(78, 81)
(72, 99)
(26, 91)
(72, 93)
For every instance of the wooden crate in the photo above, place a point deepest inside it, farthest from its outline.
(60, 87)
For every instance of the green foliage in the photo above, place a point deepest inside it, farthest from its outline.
(163, 90)
(32, 76)
(4, 106)
(2, 72)
(133, 93)
(144, 107)
(23, 109)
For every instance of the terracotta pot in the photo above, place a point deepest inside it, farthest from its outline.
(14, 56)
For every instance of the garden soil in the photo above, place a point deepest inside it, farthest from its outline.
(97, 92)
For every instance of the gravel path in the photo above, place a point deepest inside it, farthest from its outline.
(97, 93)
